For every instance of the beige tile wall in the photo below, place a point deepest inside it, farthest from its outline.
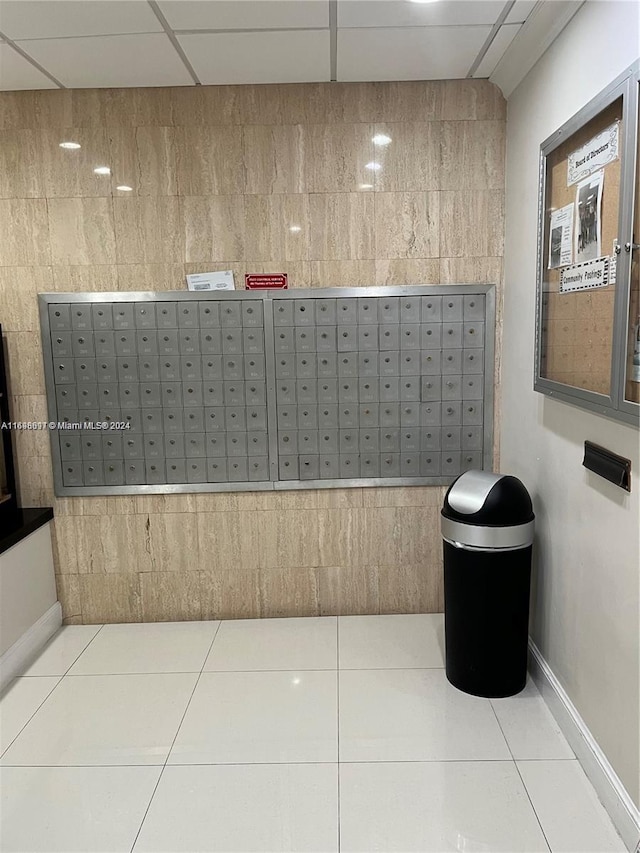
(219, 174)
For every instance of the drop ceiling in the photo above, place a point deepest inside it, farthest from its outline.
(118, 43)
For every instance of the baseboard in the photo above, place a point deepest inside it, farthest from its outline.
(23, 651)
(612, 793)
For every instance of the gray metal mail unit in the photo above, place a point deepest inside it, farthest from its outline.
(181, 391)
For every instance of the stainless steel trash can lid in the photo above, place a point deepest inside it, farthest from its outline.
(488, 511)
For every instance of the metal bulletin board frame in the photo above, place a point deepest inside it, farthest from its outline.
(612, 404)
(269, 300)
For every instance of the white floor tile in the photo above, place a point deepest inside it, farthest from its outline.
(260, 717)
(105, 719)
(568, 808)
(436, 807)
(62, 650)
(223, 809)
(69, 809)
(261, 644)
(156, 647)
(18, 704)
(414, 715)
(529, 726)
(383, 642)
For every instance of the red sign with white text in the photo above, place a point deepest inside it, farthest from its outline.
(266, 281)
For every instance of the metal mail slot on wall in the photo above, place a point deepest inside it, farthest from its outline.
(229, 391)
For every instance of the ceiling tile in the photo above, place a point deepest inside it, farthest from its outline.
(501, 42)
(17, 73)
(128, 60)
(401, 13)
(411, 53)
(245, 14)
(37, 19)
(520, 11)
(269, 57)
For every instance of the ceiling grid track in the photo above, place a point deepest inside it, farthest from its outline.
(333, 40)
(23, 53)
(174, 41)
(494, 32)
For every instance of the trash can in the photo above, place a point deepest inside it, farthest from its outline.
(487, 528)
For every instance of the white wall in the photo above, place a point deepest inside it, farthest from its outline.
(587, 566)
(27, 586)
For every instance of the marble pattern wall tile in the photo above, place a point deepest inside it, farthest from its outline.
(471, 224)
(273, 159)
(145, 159)
(82, 231)
(150, 276)
(170, 596)
(194, 106)
(122, 107)
(406, 588)
(473, 155)
(110, 598)
(81, 277)
(24, 355)
(343, 273)
(400, 271)
(173, 537)
(288, 592)
(410, 162)
(218, 175)
(113, 545)
(471, 270)
(214, 228)
(21, 169)
(342, 226)
(68, 173)
(210, 160)
(276, 227)
(407, 225)
(68, 589)
(336, 157)
(35, 480)
(478, 100)
(25, 242)
(348, 590)
(148, 230)
(19, 288)
(233, 594)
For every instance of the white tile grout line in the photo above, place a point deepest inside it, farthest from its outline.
(515, 764)
(285, 763)
(57, 684)
(144, 817)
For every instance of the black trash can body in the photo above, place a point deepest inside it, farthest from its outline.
(487, 528)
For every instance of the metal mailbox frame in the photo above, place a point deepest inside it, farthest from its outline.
(268, 298)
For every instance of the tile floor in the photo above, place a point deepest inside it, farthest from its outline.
(280, 735)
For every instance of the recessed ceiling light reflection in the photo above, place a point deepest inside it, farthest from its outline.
(124, 188)
(381, 139)
(295, 229)
(366, 186)
(373, 166)
(296, 680)
(102, 170)
(70, 145)
(423, 1)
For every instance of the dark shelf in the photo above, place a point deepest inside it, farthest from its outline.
(23, 522)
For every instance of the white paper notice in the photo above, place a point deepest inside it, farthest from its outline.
(561, 237)
(222, 280)
(602, 149)
(588, 217)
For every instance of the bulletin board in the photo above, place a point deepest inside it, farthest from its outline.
(578, 260)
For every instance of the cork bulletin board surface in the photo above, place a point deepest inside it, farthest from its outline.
(577, 326)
